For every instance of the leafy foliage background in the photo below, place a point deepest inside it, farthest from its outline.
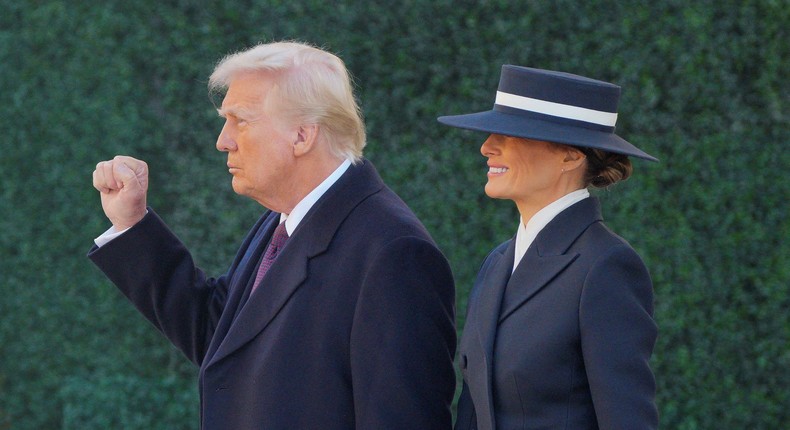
(705, 89)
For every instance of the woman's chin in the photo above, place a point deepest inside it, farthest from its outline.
(493, 192)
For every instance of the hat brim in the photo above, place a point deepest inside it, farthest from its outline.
(519, 126)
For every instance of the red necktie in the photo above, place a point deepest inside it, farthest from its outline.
(275, 245)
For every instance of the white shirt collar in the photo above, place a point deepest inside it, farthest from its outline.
(526, 234)
(293, 219)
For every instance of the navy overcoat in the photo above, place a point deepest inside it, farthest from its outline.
(351, 328)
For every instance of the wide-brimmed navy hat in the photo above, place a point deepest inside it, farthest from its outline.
(555, 107)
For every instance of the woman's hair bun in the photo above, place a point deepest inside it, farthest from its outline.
(605, 168)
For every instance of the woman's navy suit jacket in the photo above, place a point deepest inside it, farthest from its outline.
(564, 342)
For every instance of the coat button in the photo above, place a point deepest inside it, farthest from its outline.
(463, 361)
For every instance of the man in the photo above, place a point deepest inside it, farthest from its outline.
(337, 312)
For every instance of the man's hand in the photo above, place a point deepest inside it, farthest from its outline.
(123, 185)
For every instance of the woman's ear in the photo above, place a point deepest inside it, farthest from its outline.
(306, 137)
(573, 159)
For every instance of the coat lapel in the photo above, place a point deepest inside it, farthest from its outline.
(311, 238)
(242, 277)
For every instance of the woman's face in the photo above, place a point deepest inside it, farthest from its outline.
(524, 170)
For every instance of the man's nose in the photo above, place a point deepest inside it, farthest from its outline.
(225, 142)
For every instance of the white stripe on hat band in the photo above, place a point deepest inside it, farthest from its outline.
(556, 109)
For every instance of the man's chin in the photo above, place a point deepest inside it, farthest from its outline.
(238, 187)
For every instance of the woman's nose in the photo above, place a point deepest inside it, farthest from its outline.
(488, 147)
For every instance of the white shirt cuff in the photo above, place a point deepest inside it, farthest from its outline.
(108, 236)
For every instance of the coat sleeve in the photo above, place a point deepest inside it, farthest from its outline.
(617, 336)
(403, 339)
(154, 270)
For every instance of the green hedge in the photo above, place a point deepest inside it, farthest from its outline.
(705, 89)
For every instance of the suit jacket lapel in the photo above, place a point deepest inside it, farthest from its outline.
(484, 308)
(548, 255)
(311, 238)
(531, 275)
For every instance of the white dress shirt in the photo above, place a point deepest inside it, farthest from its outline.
(291, 220)
(527, 233)
(300, 210)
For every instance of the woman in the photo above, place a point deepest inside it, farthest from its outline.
(559, 328)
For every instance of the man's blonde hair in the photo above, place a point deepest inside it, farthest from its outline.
(313, 87)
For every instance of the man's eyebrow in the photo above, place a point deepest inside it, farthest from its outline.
(238, 112)
(223, 112)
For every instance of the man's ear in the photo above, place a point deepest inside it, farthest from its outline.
(305, 140)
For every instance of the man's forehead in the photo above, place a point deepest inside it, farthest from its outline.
(241, 99)
(246, 91)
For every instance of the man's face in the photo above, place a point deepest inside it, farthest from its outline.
(258, 140)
